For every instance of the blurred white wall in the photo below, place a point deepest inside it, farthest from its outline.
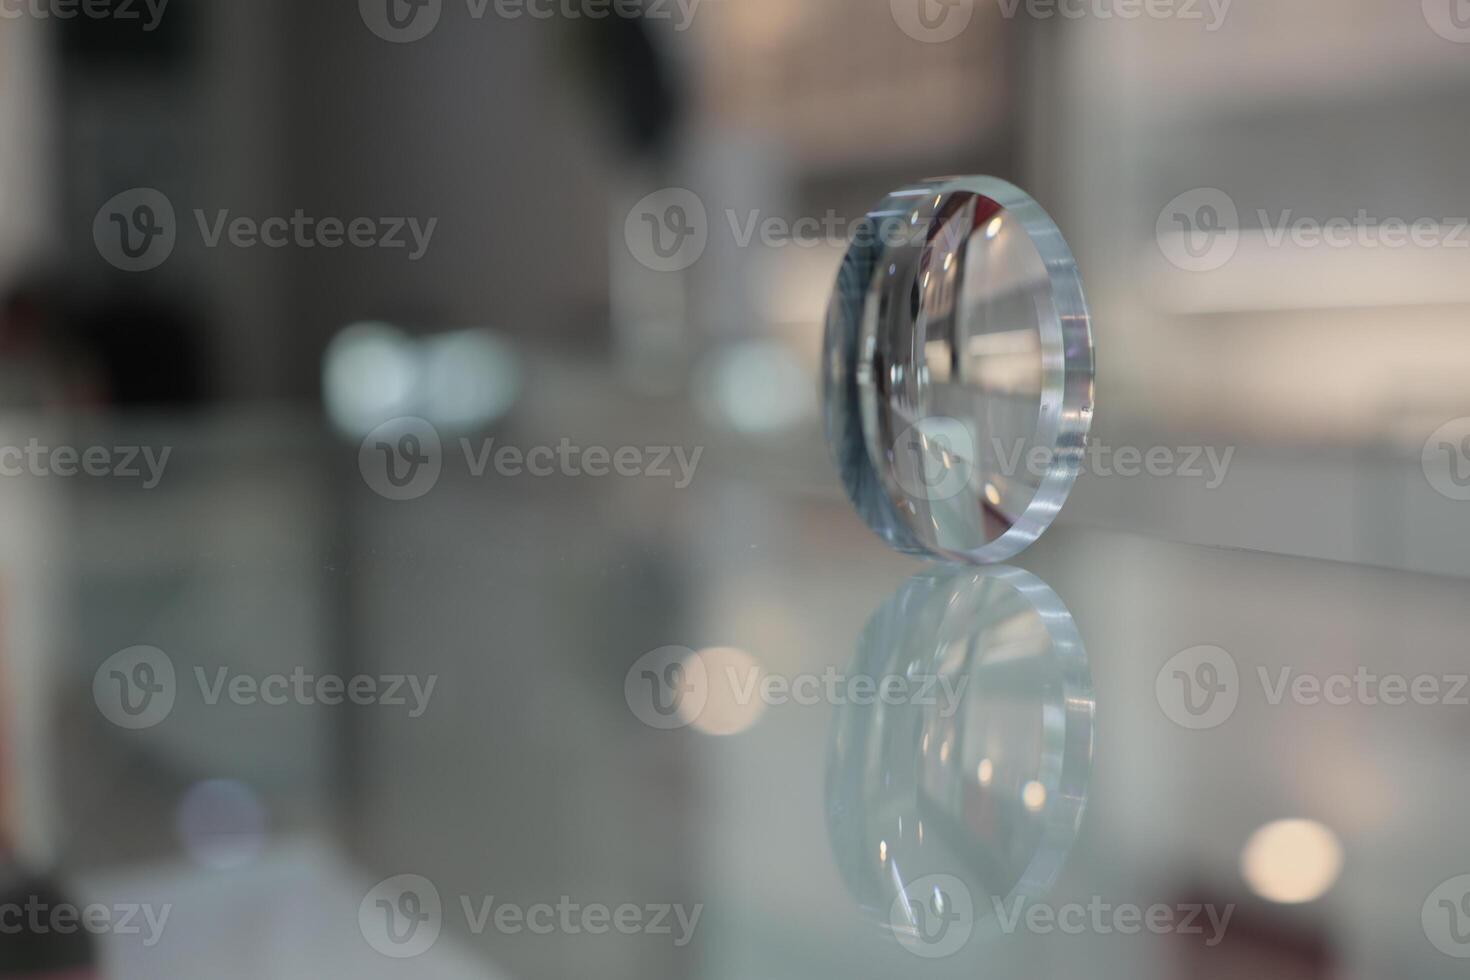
(26, 219)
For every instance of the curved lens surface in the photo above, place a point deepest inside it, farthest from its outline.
(958, 369)
(976, 785)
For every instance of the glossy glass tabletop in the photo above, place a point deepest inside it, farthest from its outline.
(614, 726)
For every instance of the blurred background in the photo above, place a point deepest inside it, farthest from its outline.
(522, 155)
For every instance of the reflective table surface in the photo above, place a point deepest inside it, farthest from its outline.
(723, 731)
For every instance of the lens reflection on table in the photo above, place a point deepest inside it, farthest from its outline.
(965, 785)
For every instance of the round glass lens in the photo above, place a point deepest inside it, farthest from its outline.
(958, 369)
(969, 773)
